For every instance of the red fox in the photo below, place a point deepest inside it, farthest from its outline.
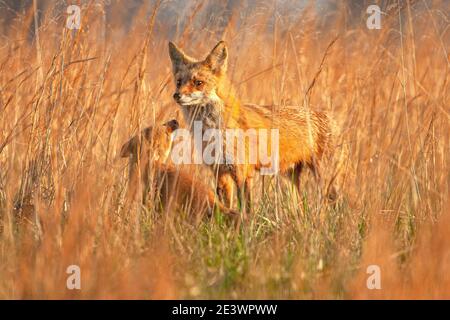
(173, 186)
(205, 94)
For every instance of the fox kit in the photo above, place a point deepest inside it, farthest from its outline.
(205, 94)
(174, 187)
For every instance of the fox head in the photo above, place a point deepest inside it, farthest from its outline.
(157, 140)
(196, 81)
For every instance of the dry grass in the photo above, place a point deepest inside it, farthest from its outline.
(69, 99)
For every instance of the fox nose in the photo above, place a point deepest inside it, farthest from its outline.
(176, 96)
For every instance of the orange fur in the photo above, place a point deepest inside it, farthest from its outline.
(205, 94)
(174, 187)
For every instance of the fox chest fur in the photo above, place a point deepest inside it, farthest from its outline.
(209, 116)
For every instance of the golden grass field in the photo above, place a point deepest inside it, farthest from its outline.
(69, 99)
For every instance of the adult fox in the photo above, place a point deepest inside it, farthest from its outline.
(205, 94)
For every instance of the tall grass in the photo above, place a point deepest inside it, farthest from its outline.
(69, 99)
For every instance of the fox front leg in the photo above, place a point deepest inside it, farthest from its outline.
(243, 189)
(248, 193)
(225, 189)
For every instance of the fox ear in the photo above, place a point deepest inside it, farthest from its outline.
(177, 56)
(129, 148)
(218, 57)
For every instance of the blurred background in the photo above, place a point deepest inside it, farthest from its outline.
(70, 98)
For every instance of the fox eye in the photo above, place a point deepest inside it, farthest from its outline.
(178, 82)
(198, 83)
